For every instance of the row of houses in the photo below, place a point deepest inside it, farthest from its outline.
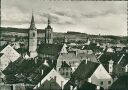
(77, 66)
(51, 66)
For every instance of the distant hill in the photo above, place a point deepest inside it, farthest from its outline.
(71, 35)
(18, 30)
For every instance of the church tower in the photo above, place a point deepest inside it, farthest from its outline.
(32, 39)
(49, 33)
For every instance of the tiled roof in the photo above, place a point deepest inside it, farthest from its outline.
(2, 47)
(75, 57)
(107, 56)
(84, 85)
(52, 74)
(50, 85)
(120, 61)
(50, 49)
(118, 58)
(28, 68)
(1, 54)
(85, 70)
(64, 64)
(120, 84)
(124, 60)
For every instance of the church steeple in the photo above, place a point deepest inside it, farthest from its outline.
(49, 33)
(32, 38)
(32, 25)
(49, 24)
(49, 21)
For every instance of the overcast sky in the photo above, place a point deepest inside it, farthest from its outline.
(93, 17)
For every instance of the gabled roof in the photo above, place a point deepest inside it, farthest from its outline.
(107, 56)
(2, 47)
(1, 54)
(64, 64)
(123, 60)
(52, 74)
(120, 84)
(82, 86)
(50, 85)
(75, 57)
(118, 58)
(85, 70)
(50, 49)
(29, 68)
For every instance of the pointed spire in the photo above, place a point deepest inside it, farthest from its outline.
(49, 22)
(32, 25)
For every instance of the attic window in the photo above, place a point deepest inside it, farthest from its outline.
(101, 83)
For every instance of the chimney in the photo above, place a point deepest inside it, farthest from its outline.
(62, 86)
(86, 60)
(46, 63)
(97, 87)
(71, 87)
(111, 66)
(76, 52)
(35, 60)
(89, 80)
(42, 72)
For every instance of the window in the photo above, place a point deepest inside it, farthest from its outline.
(109, 82)
(62, 73)
(59, 69)
(66, 73)
(101, 83)
(33, 34)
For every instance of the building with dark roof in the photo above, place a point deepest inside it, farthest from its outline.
(82, 85)
(119, 65)
(94, 73)
(120, 84)
(54, 81)
(74, 58)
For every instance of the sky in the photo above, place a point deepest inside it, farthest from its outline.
(92, 17)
